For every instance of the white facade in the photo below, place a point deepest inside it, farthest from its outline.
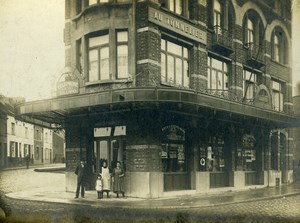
(19, 138)
(47, 145)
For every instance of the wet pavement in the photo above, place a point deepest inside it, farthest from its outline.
(57, 194)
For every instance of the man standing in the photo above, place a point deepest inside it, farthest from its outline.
(81, 175)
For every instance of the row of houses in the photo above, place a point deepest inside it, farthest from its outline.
(19, 139)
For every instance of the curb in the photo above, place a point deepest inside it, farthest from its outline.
(128, 204)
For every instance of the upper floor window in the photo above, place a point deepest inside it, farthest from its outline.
(38, 135)
(250, 32)
(26, 132)
(99, 57)
(122, 54)
(179, 7)
(277, 95)
(217, 13)
(174, 63)
(217, 75)
(249, 85)
(253, 29)
(279, 47)
(13, 128)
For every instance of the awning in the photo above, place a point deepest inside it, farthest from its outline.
(52, 112)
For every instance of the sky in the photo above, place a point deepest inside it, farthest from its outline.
(32, 48)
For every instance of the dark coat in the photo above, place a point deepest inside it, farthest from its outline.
(81, 173)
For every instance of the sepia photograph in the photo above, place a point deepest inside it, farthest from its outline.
(141, 111)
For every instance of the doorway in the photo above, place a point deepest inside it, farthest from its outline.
(174, 159)
(109, 146)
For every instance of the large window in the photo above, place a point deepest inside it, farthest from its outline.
(217, 75)
(249, 85)
(174, 64)
(98, 57)
(100, 47)
(277, 95)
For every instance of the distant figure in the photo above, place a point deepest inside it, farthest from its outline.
(27, 160)
(81, 178)
(118, 178)
(105, 178)
(99, 187)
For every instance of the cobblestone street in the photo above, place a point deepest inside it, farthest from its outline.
(283, 209)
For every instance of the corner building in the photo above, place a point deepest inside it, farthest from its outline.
(192, 96)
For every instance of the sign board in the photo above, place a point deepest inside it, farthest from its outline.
(67, 83)
(177, 25)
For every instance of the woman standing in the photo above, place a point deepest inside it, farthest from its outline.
(105, 178)
(118, 178)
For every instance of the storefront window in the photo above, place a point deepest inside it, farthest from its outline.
(173, 149)
(246, 154)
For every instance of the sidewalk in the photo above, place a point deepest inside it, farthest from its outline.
(58, 195)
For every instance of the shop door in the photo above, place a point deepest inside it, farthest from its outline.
(174, 160)
(109, 148)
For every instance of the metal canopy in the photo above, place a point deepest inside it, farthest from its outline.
(53, 112)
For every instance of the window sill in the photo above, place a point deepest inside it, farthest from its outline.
(173, 85)
(125, 80)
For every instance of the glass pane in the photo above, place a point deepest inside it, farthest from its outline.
(103, 1)
(185, 53)
(104, 64)
(217, 6)
(98, 40)
(186, 79)
(163, 67)
(171, 71)
(208, 78)
(171, 5)
(276, 85)
(163, 44)
(93, 65)
(276, 99)
(174, 48)
(225, 67)
(220, 81)
(216, 64)
(250, 90)
(281, 101)
(213, 79)
(123, 61)
(92, 2)
(178, 71)
(225, 81)
(122, 36)
(178, 6)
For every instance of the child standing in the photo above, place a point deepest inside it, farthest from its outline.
(99, 187)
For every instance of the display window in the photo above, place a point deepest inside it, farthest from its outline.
(173, 150)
